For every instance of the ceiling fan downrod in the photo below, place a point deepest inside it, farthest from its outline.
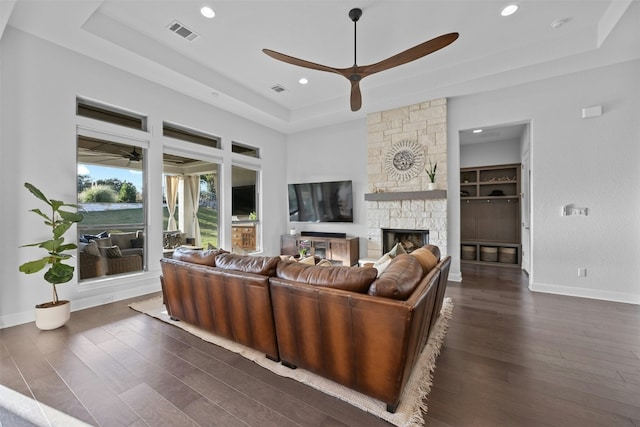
(355, 15)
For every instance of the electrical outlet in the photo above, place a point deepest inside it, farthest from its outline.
(582, 272)
(107, 299)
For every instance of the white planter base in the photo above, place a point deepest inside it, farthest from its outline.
(53, 317)
(432, 186)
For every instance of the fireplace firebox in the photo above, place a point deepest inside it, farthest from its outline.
(409, 239)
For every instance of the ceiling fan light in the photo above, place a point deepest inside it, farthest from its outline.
(509, 10)
(207, 12)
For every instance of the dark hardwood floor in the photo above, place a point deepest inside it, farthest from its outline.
(510, 358)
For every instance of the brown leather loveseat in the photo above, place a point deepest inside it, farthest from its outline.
(343, 323)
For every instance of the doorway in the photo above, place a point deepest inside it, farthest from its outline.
(495, 195)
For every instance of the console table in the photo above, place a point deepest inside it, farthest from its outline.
(338, 250)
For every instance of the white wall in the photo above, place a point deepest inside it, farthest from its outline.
(591, 163)
(490, 153)
(332, 153)
(39, 83)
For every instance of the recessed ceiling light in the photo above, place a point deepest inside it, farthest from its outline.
(207, 12)
(477, 131)
(303, 81)
(509, 10)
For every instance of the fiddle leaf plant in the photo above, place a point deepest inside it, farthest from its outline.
(58, 221)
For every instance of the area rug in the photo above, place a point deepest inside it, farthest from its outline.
(412, 406)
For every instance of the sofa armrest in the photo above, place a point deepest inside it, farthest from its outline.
(91, 266)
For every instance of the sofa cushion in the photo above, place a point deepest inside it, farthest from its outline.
(196, 256)
(354, 279)
(434, 250)
(426, 258)
(111, 252)
(399, 279)
(264, 265)
(103, 242)
(122, 240)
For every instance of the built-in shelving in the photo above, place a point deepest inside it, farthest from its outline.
(490, 214)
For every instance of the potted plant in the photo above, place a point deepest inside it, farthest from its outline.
(53, 314)
(431, 171)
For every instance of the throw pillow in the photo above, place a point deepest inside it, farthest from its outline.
(122, 240)
(426, 258)
(397, 250)
(324, 263)
(111, 252)
(92, 248)
(308, 260)
(137, 242)
(382, 263)
(103, 242)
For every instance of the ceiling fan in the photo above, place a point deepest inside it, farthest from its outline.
(133, 156)
(356, 73)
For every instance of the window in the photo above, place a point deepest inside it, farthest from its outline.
(245, 150)
(110, 115)
(190, 135)
(190, 202)
(244, 208)
(111, 197)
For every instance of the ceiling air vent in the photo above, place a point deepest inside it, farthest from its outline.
(278, 88)
(182, 31)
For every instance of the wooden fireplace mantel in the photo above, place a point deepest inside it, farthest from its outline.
(405, 195)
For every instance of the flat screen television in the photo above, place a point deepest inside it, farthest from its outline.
(321, 202)
(243, 200)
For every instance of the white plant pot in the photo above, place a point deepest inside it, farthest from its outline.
(52, 317)
(432, 186)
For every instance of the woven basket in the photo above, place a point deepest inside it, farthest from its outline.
(508, 255)
(488, 253)
(469, 252)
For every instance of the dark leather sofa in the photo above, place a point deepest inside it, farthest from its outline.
(223, 293)
(343, 323)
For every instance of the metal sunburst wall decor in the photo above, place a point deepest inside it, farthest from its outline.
(404, 160)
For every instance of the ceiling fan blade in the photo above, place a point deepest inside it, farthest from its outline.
(299, 62)
(356, 96)
(412, 54)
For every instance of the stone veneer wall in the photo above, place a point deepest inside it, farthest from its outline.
(425, 123)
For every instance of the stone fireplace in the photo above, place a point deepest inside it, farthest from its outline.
(397, 200)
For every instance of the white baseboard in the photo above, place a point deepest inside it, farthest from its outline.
(117, 294)
(585, 293)
(455, 277)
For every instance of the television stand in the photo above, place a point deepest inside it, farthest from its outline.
(338, 250)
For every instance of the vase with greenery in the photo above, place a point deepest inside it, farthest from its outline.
(58, 221)
(431, 171)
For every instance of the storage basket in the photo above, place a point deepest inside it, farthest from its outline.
(469, 252)
(508, 255)
(488, 253)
